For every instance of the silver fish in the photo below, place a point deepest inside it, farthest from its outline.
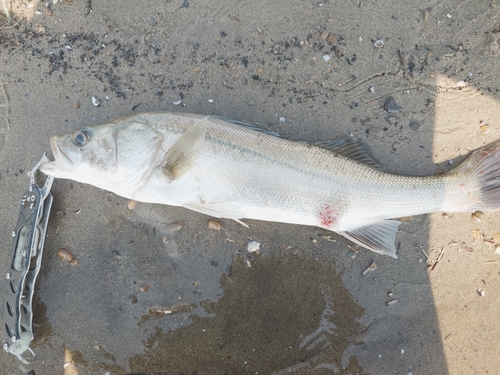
(231, 171)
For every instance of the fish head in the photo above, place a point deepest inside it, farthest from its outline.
(118, 156)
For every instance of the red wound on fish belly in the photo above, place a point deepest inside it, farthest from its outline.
(328, 216)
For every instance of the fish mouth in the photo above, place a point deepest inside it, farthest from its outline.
(62, 160)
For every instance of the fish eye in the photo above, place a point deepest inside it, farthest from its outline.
(81, 137)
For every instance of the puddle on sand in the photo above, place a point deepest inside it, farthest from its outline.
(41, 326)
(281, 315)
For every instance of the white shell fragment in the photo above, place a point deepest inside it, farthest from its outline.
(95, 102)
(480, 292)
(253, 246)
(177, 102)
(282, 119)
(326, 57)
(210, 100)
(379, 43)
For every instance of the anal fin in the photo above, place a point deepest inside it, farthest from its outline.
(378, 237)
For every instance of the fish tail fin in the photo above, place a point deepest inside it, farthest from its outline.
(482, 167)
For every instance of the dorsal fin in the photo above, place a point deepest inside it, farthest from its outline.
(249, 125)
(351, 148)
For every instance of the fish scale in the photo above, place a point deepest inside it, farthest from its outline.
(224, 169)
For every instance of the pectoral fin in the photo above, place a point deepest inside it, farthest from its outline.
(378, 237)
(179, 158)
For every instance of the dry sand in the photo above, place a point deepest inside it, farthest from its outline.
(156, 291)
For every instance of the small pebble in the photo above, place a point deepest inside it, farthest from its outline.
(477, 216)
(214, 224)
(76, 105)
(175, 227)
(425, 14)
(391, 106)
(331, 39)
(392, 119)
(351, 254)
(95, 102)
(131, 204)
(415, 126)
(374, 130)
(378, 43)
(210, 100)
(449, 15)
(65, 255)
(73, 262)
(480, 292)
(476, 234)
(497, 249)
(371, 89)
(253, 246)
(365, 121)
(144, 288)
(324, 34)
(151, 22)
(282, 119)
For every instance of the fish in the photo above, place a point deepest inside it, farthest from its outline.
(228, 169)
